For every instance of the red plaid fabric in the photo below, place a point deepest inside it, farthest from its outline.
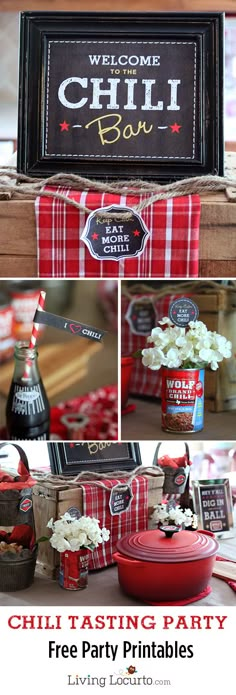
(143, 381)
(96, 504)
(171, 250)
(100, 410)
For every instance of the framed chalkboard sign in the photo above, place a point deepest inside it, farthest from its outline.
(121, 95)
(213, 505)
(100, 457)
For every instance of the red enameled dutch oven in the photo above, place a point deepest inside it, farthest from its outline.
(165, 565)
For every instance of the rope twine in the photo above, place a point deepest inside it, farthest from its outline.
(198, 286)
(96, 478)
(18, 186)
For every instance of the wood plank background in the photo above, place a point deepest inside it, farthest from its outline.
(119, 5)
(217, 253)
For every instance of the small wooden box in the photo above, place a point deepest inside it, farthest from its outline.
(52, 499)
(217, 307)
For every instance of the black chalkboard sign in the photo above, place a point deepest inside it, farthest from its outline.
(213, 501)
(120, 499)
(141, 316)
(118, 94)
(74, 457)
(182, 311)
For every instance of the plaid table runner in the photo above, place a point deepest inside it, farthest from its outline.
(171, 250)
(144, 381)
(96, 504)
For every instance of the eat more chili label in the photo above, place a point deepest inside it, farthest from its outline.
(141, 316)
(120, 499)
(110, 238)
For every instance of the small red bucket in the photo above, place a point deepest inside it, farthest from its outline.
(182, 400)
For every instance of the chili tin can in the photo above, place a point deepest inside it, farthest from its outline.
(7, 341)
(182, 400)
(73, 574)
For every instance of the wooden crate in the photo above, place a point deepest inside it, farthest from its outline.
(51, 500)
(18, 248)
(218, 311)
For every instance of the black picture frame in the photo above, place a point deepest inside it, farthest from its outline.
(214, 506)
(99, 457)
(190, 60)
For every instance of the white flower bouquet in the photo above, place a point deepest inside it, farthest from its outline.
(175, 515)
(73, 534)
(193, 347)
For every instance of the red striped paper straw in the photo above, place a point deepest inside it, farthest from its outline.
(34, 334)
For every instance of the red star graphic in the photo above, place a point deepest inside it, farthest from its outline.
(64, 126)
(175, 128)
(136, 232)
(94, 236)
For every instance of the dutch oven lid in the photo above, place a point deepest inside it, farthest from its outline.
(154, 546)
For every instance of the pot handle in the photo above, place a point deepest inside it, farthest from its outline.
(206, 533)
(155, 458)
(127, 561)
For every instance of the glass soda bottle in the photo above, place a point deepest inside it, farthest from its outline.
(28, 410)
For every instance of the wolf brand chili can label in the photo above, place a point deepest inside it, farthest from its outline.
(73, 574)
(182, 400)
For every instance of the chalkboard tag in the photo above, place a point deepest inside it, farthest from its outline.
(110, 238)
(141, 316)
(120, 499)
(74, 512)
(182, 311)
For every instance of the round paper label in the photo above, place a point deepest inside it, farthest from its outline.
(182, 311)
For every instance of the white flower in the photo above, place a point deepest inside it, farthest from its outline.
(59, 543)
(195, 521)
(165, 320)
(73, 534)
(50, 523)
(176, 346)
(105, 534)
(174, 515)
(173, 359)
(199, 327)
(152, 358)
(205, 354)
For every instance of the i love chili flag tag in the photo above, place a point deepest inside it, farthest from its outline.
(115, 232)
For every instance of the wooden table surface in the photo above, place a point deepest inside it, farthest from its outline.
(119, 5)
(104, 590)
(145, 424)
